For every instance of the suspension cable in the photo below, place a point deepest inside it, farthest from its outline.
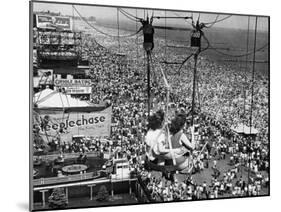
(137, 40)
(132, 16)
(127, 16)
(166, 127)
(118, 30)
(245, 72)
(214, 22)
(217, 21)
(241, 55)
(253, 75)
(45, 82)
(165, 41)
(183, 62)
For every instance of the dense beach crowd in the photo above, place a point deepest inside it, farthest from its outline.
(223, 101)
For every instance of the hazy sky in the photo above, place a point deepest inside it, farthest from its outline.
(110, 13)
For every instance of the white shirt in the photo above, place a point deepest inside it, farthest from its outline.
(151, 139)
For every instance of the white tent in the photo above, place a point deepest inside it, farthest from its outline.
(244, 129)
(50, 98)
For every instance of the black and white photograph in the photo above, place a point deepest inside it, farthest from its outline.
(133, 105)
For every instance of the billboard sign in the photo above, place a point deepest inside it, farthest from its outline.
(54, 22)
(52, 124)
(78, 90)
(63, 23)
(44, 21)
(72, 82)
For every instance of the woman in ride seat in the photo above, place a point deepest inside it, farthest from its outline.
(154, 135)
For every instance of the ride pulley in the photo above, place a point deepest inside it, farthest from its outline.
(196, 35)
(148, 35)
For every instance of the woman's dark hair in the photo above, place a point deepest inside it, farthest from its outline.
(155, 121)
(177, 123)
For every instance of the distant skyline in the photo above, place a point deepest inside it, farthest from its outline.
(110, 13)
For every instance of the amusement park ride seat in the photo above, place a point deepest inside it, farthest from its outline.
(183, 165)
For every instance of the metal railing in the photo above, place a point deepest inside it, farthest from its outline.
(67, 155)
(65, 179)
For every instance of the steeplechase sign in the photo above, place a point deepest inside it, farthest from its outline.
(51, 124)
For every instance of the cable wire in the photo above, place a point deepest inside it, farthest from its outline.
(132, 16)
(214, 22)
(121, 11)
(242, 55)
(217, 21)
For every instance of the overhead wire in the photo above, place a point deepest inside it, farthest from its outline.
(121, 11)
(253, 75)
(214, 22)
(241, 55)
(166, 126)
(217, 21)
(132, 16)
(45, 82)
(245, 71)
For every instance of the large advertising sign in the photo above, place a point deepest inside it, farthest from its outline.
(72, 82)
(44, 21)
(74, 86)
(63, 23)
(54, 22)
(52, 124)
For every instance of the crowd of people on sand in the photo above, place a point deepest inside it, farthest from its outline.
(223, 101)
(230, 185)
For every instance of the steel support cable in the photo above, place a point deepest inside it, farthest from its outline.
(165, 41)
(217, 21)
(242, 55)
(214, 22)
(45, 97)
(118, 35)
(136, 41)
(134, 17)
(198, 93)
(185, 60)
(101, 32)
(62, 106)
(253, 75)
(188, 57)
(39, 86)
(43, 84)
(245, 72)
(166, 127)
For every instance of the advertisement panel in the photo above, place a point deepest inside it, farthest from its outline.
(72, 82)
(54, 22)
(56, 124)
(63, 23)
(44, 21)
(78, 90)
